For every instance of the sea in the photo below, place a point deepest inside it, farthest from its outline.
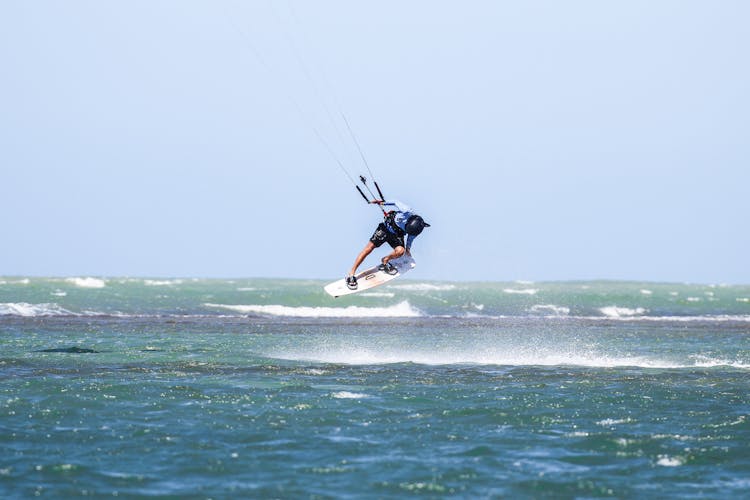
(265, 388)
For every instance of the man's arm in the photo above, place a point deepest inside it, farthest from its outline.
(409, 240)
(398, 205)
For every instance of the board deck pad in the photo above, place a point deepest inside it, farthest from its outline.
(371, 278)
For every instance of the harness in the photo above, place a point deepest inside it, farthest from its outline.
(390, 223)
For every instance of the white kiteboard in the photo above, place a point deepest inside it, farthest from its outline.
(371, 278)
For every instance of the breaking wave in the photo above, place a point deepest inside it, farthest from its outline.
(24, 281)
(423, 287)
(400, 310)
(622, 312)
(169, 282)
(722, 318)
(521, 291)
(87, 282)
(550, 309)
(32, 310)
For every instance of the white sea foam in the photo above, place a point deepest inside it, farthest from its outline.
(247, 289)
(162, 282)
(694, 299)
(87, 282)
(400, 310)
(724, 318)
(667, 461)
(472, 314)
(577, 434)
(550, 309)
(620, 312)
(646, 292)
(743, 299)
(349, 395)
(59, 293)
(32, 310)
(423, 287)
(24, 281)
(521, 291)
(377, 294)
(608, 422)
(702, 361)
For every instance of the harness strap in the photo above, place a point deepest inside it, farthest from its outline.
(391, 225)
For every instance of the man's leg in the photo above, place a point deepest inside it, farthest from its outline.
(397, 252)
(362, 256)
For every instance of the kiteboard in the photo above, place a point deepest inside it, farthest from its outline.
(371, 278)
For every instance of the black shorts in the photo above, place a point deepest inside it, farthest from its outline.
(381, 235)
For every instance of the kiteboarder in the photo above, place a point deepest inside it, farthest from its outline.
(398, 222)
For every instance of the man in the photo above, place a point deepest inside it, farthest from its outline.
(399, 222)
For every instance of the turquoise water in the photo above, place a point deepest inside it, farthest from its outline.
(271, 389)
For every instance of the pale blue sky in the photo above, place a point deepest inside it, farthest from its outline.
(543, 140)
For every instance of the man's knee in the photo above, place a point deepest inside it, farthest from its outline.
(399, 251)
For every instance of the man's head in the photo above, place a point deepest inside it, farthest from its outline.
(415, 225)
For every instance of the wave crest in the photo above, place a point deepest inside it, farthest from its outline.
(400, 310)
(87, 282)
(32, 310)
(550, 309)
(423, 287)
(622, 312)
(521, 291)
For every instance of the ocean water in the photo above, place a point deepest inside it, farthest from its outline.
(189, 388)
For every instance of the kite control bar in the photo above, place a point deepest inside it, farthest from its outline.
(363, 194)
(375, 199)
(379, 191)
